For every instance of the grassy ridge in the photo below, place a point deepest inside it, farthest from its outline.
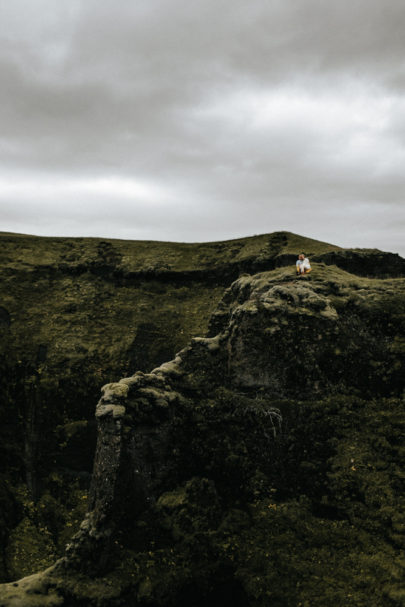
(17, 249)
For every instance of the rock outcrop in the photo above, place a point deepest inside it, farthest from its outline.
(262, 465)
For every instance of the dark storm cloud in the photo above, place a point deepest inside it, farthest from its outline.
(203, 120)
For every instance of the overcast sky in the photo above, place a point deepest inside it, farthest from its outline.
(201, 120)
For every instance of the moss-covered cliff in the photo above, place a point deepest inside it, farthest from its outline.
(262, 466)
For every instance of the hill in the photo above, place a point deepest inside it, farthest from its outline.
(296, 383)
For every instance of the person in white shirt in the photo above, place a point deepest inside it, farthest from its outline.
(303, 266)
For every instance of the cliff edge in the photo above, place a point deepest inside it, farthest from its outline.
(262, 465)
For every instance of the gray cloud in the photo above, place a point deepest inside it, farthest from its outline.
(204, 120)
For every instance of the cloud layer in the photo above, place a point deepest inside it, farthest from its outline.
(204, 120)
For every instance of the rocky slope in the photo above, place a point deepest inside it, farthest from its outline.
(74, 315)
(262, 465)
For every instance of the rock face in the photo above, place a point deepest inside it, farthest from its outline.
(78, 313)
(262, 465)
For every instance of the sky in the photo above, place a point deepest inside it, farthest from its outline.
(203, 120)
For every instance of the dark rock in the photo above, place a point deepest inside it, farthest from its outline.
(5, 319)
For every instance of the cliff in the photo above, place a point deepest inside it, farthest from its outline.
(262, 465)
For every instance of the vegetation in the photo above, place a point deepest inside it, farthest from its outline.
(270, 453)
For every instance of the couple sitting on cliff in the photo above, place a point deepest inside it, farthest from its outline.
(302, 265)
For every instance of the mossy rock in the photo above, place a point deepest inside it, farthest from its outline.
(261, 465)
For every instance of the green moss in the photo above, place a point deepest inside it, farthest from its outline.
(46, 527)
(172, 499)
(32, 591)
(307, 512)
(30, 548)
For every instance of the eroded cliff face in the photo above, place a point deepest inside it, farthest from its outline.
(77, 313)
(262, 465)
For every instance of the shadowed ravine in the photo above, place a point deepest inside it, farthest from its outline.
(259, 465)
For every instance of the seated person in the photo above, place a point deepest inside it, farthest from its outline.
(303, 266)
